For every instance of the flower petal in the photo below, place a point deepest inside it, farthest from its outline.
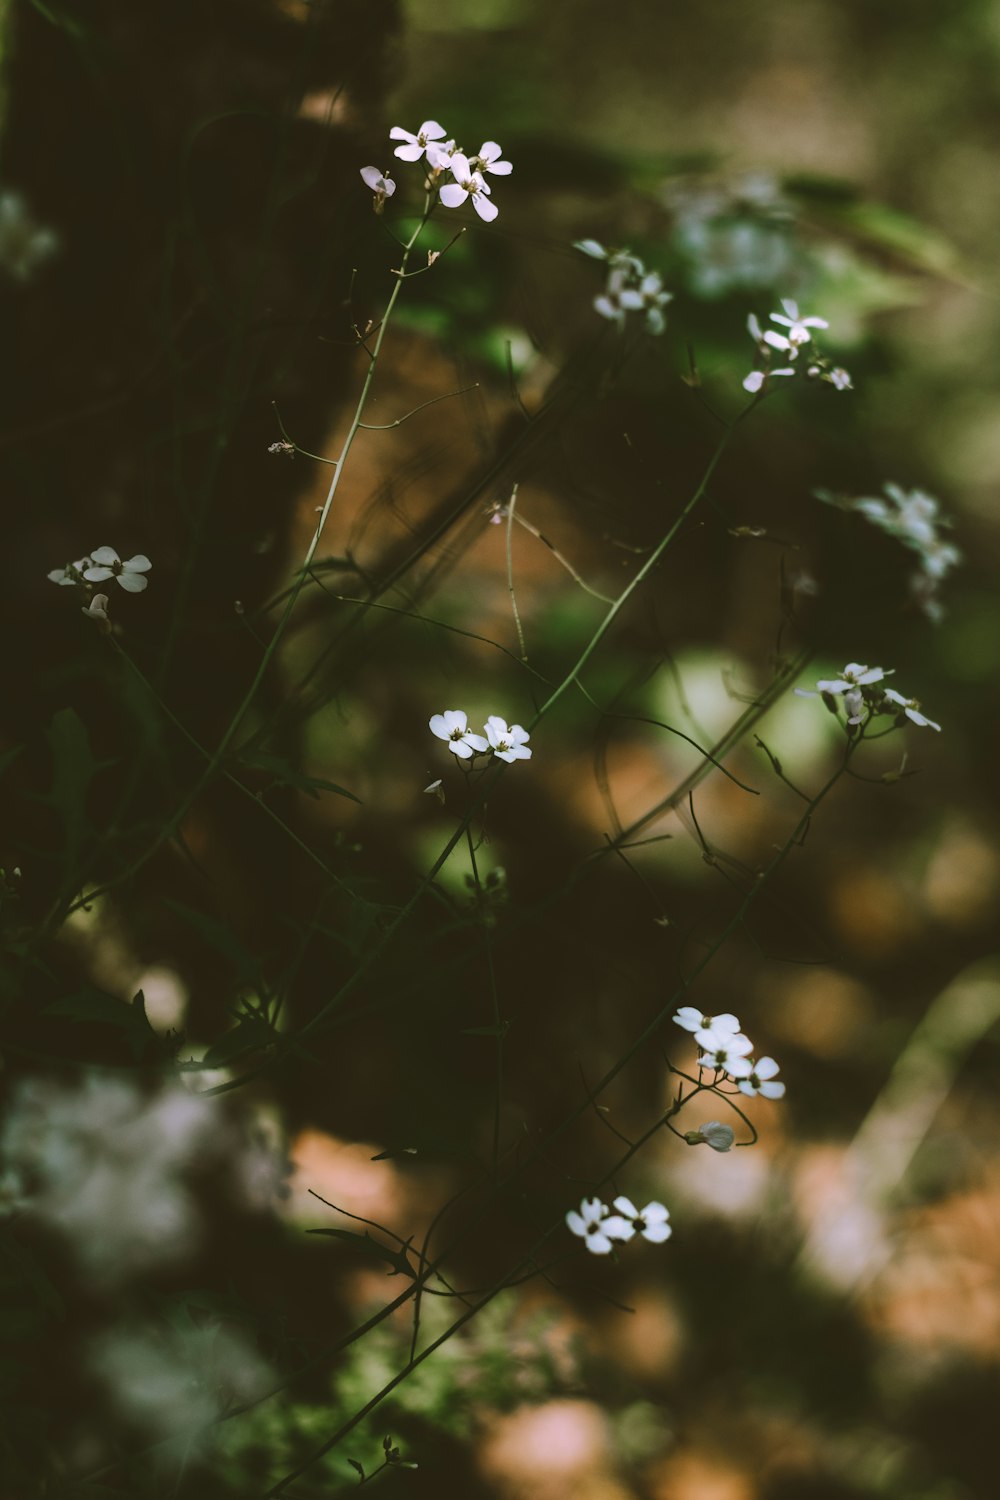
(106, 556)
(132, 583)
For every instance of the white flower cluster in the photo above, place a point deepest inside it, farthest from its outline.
(506, 743)
(735, 233)
(860, 687)
(468, 173)
(913, 518)
(798, 333)
(103, 563)
(600, 1229)
(725, 1050)
(630, 287)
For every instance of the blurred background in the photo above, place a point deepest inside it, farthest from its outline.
(188, 259)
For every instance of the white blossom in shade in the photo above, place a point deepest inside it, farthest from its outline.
(97, 610)
(105, 563)
(798, 329)
(416, 144)
(487, 159)
(383, 187)
(71, 573)
(596, 1225)
(758, 1080)
(840, 379)
(855, 675)
(710, 1038)
(652, 1222)
(726, 1054)
(911, 708)
(593, 248)
(648, 297)
(692, 1019)
(854, 705)
(757, 379)
(509, 744)
(609, 302)
(468, 184)
(453, 726)
(720, 1137)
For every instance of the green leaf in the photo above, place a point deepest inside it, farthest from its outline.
(250, 1034)
(371, 1249)
(95, 1007)
(288, 776)
(220, 938)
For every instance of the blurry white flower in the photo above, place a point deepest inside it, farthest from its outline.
(509, 744)
(598, 1227)
(649, 297)
(911, 708)
(592, 248)
(757, 379)
(650, 1222)
(467, 184)
(453, 726)
(24, 243)
(71, 573)
(854, 705)
(758, 1080)
(416, 145)
(487, 159)
(692, 1020)
(798, 329)
(840, 379)
(436, 790)
(172, 1380)
(105, 563)
(726, 1054)
(720, 1137)
(383, 188)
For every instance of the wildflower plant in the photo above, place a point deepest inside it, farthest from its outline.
(407, 949)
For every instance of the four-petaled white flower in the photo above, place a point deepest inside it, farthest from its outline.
(105, 563)
(650, 297)
(726, 1053)
(840, 379)
(509, 744)
(453, 726)
(468, 184)
(692, 1019)
(798, 329)
(855, 675)
(651, 1222)
(911, 708)
(383, 187)
(598, 1226)
(487, 159)
(416, 145)
(758, 1079)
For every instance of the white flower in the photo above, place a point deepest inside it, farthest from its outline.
(854, 675)
(911, 708)
(487, 159)
(854, 704)
(105, 563)
(417, 144)
(757, 379)
(383, 188)
(468, 184)
(840, 379)
(651, 1221)
(650, 297)
(509, 744)
(720, 1137)
(798, 329)
(453, 726)
(600, 1228)
(692, 1020)
(97, 609)
(440, 153)
(725, 1053)
(593, 248)
(758, 1079)
(71, 573)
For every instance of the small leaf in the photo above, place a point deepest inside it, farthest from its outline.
(249, 1035)
(288, 776)
(371, 1249)
(357, 1467)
